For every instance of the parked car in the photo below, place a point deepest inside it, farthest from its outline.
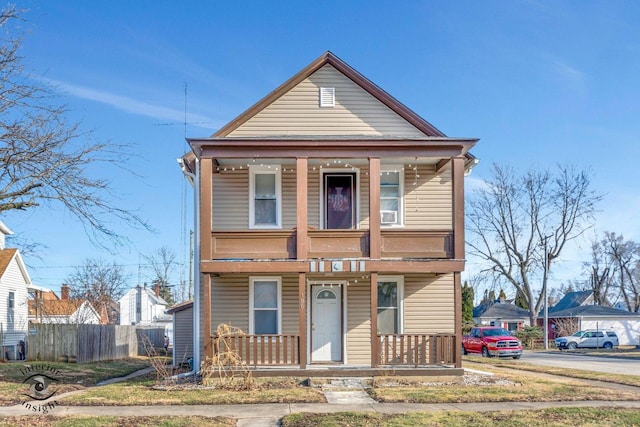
(491, 341)
(589, 338)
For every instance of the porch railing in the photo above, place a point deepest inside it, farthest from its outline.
(417, 349)
(262, 350)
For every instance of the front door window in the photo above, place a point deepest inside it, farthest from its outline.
(339, 201)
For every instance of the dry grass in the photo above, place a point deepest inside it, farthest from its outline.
(633, 380)
(81, 421)
(546, 417)
(145, 392)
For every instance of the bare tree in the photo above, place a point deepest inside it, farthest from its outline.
(44, 159)
(601, 272)
(163, 265)
(99, 282)
(626, 257)
(517, 217)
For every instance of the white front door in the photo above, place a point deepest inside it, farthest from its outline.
(326, 323)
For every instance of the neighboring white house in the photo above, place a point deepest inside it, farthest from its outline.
(46, 307)
(143, 306)
(14, 281)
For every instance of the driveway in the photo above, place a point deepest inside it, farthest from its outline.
(563, 359)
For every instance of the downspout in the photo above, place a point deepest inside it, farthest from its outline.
(195, 179)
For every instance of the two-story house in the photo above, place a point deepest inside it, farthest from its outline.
(331, 229)
(14, 283)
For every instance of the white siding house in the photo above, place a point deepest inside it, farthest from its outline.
(143, 306)
(14, 281)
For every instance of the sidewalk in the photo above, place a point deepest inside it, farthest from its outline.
(278, 410)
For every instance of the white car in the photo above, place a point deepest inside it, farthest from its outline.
(589, 338)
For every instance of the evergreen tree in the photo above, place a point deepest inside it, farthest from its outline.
(521, 301)
(467, 303)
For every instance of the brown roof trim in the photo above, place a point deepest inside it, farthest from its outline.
(329, 58)
(180, 307)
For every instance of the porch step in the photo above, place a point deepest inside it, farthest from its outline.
(334, 383)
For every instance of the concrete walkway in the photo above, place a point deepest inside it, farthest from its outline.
(278, 410)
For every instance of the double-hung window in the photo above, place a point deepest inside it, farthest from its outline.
(390, 290)
(265, 302)
(391, 190)
(11, 307)
(265, 204)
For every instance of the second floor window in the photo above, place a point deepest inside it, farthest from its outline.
(391, 197)
(11, 307)
(265, 197)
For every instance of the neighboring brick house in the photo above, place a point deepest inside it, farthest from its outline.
(331, 229)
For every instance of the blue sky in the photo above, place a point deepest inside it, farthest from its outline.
(539, 82)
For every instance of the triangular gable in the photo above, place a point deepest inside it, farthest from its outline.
(6, 257)
(380, 114)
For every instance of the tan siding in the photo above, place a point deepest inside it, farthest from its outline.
(313, 198)
(428, 203)
(231, 200)
(364, 199)
(298, 113)
(290, 305)
(183, 335)
(428, 304)
(230, 302)
(289, 202)
(358, 324)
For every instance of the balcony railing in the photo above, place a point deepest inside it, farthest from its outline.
(417, 349)
(262, 350)
(281, 244)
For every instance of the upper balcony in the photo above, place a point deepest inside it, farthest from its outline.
(399, 209)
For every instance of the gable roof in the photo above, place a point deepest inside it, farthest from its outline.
(55, 307)
(500, 310)
(571, 299)
(329, 58)
(8, 255)
(592, 311)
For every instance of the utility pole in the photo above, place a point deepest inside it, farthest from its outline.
(544, 295)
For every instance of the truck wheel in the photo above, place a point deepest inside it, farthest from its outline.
(464, 350)
(485, 352)
(516, 357)
(608, 345)
(572, 346)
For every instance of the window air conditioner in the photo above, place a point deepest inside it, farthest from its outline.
(388, 217)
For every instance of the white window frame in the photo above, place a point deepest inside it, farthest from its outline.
(11, 310)
(252, 281)
(400, 217)
(399, 280)
(265, 170)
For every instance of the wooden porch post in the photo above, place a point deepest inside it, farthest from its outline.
(206, 217)
(302, 316)
(206, 304)
(457, 301)
(375, 348)
(206, 223)
(375, 240)
(458, 206)
(302, 243)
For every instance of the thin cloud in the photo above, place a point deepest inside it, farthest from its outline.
(570, 74)
(131, 105)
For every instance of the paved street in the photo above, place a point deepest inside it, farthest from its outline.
(563, 359)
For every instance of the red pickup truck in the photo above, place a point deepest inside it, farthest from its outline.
(491, 341)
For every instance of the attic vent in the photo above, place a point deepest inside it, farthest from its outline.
(327, 97)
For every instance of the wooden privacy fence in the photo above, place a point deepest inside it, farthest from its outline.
(81, 343)
(149, 337)
(417, 349)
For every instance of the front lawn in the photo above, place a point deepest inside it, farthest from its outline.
(65, 376)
